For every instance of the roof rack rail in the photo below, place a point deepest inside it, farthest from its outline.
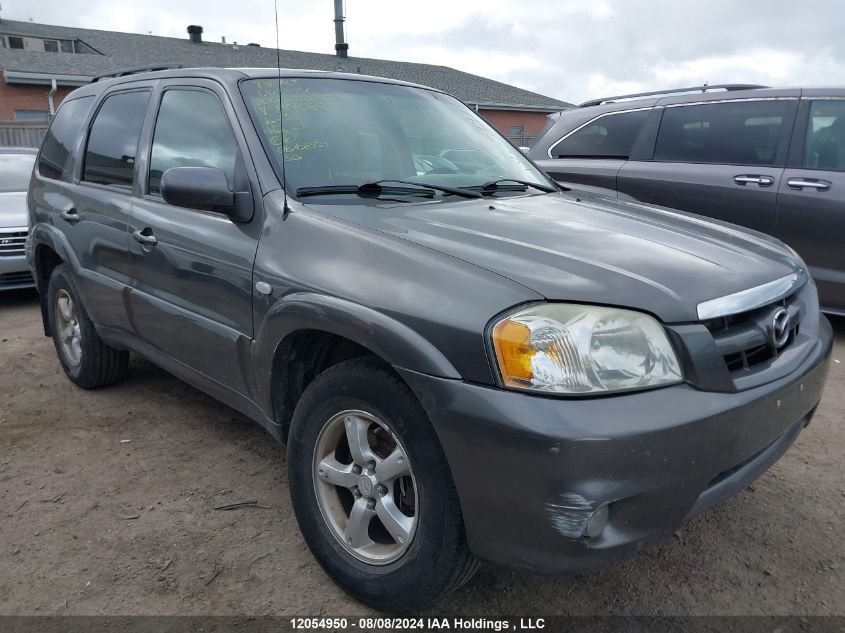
(704, 88)
(123, 72)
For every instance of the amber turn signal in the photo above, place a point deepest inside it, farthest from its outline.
(512, 343)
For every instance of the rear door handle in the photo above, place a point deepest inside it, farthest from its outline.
(70, 215)
(761, 181)
(145, 237)
(805, 183)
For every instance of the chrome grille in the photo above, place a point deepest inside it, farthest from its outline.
(12, 243)
(745, 340)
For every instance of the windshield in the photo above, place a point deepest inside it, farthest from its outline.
(15, 171)
(349, 132)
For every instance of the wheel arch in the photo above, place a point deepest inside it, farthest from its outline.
(49, 250)
(306, 333)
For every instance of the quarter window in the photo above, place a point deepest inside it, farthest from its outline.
(62, 135)
(734, 133)
(192, 130)
(113, 141)
(609, 136)
(825, 145)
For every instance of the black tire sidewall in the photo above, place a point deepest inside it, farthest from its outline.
(418, 572)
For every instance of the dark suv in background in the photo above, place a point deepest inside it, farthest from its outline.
(465, 362)
(766, 158)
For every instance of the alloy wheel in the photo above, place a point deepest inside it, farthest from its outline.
(365, 487)
(67, 323)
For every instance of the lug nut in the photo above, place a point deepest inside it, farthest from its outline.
(382, 489)
(356, 469)
(371, 504)
(355, 492)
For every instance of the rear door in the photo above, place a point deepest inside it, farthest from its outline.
(589, 157)
(93, 208)
(721, 159)
(811, 202)
(192, 269)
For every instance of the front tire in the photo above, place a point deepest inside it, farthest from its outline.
(372, 491)
(86, 360)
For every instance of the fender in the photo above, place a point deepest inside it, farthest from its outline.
(50, 236)
(389, 339)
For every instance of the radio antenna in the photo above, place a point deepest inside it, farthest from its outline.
(286, 208)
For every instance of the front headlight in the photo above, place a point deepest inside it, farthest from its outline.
(579, 349)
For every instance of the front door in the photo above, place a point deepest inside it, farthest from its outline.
(192, 269)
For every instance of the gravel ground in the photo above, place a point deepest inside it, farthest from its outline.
(107, 507)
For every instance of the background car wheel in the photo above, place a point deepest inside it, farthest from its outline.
(86, 360)
(372, 491)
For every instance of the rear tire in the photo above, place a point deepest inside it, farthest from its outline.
(383, 573)
(86, 360)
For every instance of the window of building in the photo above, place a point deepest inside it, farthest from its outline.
(63, 133)
(825, 144)
(192, 130)
(31, 115)
(113, 141)
(51, 46)
(67, 46)
(15, 42)
(609, 136)
(731, 133)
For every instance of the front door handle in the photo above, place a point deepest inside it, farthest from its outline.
(760, 181)
(806, 183)
(145, 238)
(70, 216)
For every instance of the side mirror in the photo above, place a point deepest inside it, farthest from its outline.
(203, 188)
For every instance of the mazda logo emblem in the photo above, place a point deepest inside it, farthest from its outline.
(779, 328)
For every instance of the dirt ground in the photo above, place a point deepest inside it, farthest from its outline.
(107, 507)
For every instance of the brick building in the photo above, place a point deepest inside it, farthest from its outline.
(41, 63)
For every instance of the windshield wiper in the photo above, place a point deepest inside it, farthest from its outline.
(494, 184)
(376, 188)
(457, 191)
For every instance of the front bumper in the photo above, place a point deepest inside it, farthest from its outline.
(530, 470)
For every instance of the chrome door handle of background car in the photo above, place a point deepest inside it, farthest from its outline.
(801, 183)
(70, 215)
(762, 181)
(145, 239)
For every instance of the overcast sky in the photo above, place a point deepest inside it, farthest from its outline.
(569, 49)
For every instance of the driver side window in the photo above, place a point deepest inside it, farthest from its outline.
(192, 130)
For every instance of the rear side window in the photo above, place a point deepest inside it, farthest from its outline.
(733, 133)
(192, 130)
(825, 145)
(113, 141)
(62, 136)
(609, 136)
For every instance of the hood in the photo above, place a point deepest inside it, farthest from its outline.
(590, 250)
(13, 209)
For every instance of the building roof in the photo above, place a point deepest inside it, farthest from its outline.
(111, 51)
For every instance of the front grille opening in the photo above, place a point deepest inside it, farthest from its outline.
(12, 244)
(744, 339)
(9, 279)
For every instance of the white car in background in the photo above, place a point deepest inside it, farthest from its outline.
(16, 165)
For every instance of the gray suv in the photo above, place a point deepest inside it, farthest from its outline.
(464, 362)
(769, 159)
